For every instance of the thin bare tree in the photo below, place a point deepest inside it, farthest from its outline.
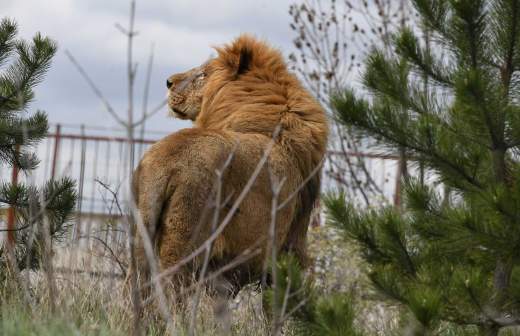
(131, 124)
(332, 39)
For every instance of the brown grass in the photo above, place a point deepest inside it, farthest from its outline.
(91, 299)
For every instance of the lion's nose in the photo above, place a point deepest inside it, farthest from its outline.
(169, 83)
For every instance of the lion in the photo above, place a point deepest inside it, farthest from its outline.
(245, 105)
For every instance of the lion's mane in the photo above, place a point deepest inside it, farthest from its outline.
(251, 91)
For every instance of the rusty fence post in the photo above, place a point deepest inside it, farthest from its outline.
(11, 215)
(81, 182)
(57, 140)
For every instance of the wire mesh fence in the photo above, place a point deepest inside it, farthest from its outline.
(97, 160)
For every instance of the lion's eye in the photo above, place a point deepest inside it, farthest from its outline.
(201, 75)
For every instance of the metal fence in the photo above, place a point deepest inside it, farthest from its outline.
(97, 160)
(98, 163)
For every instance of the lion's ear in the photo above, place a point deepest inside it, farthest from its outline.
(244, 61)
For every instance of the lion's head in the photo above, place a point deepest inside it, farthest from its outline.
(185, 92)
(247, 87)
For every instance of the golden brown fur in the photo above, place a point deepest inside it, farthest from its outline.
(247, 93)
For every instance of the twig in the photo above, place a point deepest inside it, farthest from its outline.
(136, 298)
(209, 244)
(295, 309)
(47, 262)
(106, 246)
(150, 114)
(114, 194)
(276, 187)
(16, 229)
(96, 90)
(146, 94)
(98, 274)
(285, 302)
(124, 31)
(149, 251)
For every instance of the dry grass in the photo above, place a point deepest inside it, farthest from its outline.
(92, 306)
(91, 299)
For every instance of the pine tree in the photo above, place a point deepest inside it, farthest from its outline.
(40, 212)
(450, 259)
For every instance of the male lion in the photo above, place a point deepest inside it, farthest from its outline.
(243, 103)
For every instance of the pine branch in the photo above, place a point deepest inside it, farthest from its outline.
(407, 46)
(28, 70)
(434, 14)
(55, 200)
(355, 226)
(380, 121)
(8, 31)
(505, 21)
(468, 26)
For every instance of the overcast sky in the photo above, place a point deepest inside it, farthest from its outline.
(182, 31)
